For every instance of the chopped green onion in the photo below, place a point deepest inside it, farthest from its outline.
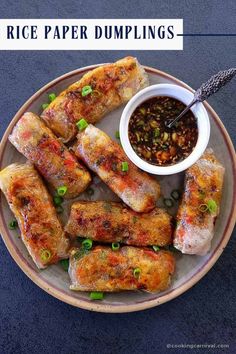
(57, 200)
(87, 244)
(96, 295)
(175, 194)
(117, 134)
(115, 246)
(156, 248)
(203, 208)
(13, 224)
(59, 209)
(141, 122)
(156, 132)
(82, 124)
(61, 190)
(142, 110)
(124, 166)
(212, 206)
(135, 219)
(86, 90)
(45, 255)
(137, 272)
(44, 106)
(168, 202)
(65, 264)
(90, 191)
(52, 96)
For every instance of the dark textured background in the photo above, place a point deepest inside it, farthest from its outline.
(31, 321)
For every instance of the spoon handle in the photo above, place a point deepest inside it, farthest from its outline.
(214, 84)
(207, 89)
(170, 124)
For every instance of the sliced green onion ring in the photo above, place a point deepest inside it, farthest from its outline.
(45, 255)
(65, 264)
(44, 106)
(137, 272)
(175, 194)
(124, 166)
(87, 244)
(212, 206)
(86, 90)
(168, 202)
(82, 124)
(57, 200)
(117, 134)
(61, 190)
(96, 295)
(52, 96)
(13, 224)
(156, 248)
(115, 246)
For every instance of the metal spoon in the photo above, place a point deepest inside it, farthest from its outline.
(206, 90)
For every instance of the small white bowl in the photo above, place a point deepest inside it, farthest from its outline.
(182, 95)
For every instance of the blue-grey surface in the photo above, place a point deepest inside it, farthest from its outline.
(31, 321)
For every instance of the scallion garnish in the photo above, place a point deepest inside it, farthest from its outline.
(124, 166)
(86, 90)
(117, 134)
(168, 202)
(13, 224)
(52, 96)
(65, 264)
(61, 190)
(82, 124)
(212, 206)
(156, 132)
(45, 255)
(44, 106)
(137, 272)
(175, 194)
(87, 244)
(96, 295)
(156, 248)
(142, 110)
(115, 246)
(57, 200)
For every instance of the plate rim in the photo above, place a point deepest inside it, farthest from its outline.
(146, 304)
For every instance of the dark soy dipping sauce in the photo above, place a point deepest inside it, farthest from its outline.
(153, 141)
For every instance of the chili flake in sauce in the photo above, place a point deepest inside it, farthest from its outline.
(153, 141)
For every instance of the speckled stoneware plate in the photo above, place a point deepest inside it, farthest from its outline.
(190, 269)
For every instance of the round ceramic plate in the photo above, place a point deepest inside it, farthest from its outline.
(190, 269)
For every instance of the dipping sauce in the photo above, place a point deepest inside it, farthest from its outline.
(153, 141)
